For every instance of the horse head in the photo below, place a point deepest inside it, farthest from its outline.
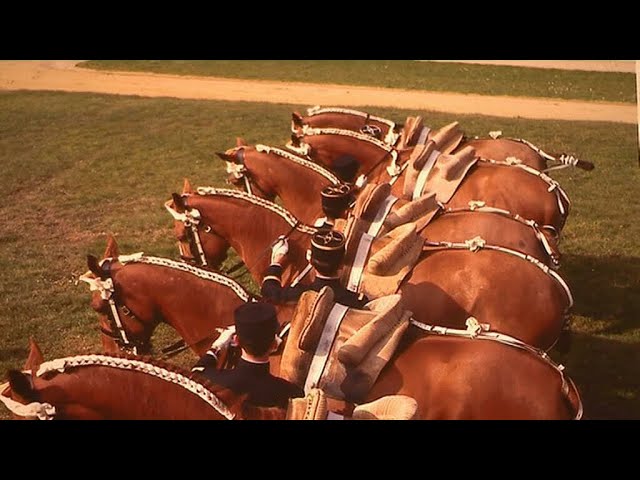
(198, 242)
(126, 319)
(248, 171)
(112, 386)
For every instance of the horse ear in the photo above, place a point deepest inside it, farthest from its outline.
(186, 187)
(226, 156)
(179, 203)
(297, 119)
(112, 248)
(21, 386)
(94, 265)
(240, 142)
(35, 358)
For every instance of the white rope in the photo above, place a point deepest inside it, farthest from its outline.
(61, 364)
(300, 161)
(261, 202)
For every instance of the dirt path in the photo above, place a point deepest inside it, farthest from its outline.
(62, 75)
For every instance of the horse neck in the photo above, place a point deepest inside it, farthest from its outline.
(251, 230)
(328, 147)
(347, 121)
(101, 392)
(203, 306)
(298, 186)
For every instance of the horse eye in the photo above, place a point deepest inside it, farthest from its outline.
(207, 229)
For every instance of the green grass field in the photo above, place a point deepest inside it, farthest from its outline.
(408, 74)
(77, 167)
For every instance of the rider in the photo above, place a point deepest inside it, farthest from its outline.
(327, 253)
(256, 326)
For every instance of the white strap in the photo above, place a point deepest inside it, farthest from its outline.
(424, 173)
(422, 139)
(321, 354)
(358, 263)
(384, 210)
(365, 243)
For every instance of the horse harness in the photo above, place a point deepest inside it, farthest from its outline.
(117, 332)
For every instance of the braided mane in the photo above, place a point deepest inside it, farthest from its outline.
(201, 387)
(300, 161)
(205, 274)
(349, 133)
(261, 202)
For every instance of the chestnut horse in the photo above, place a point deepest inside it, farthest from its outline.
(270, 172)
(516, 188)
(516, 297)
(498, 149)
(488, 380)
(122, 387)
(135, 293)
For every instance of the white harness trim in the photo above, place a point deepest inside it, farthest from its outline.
(35, 410)
(355, 276)
(424, 173)
(480, 206)
(391, 138)
(236, 170)
(481, 334)
(191, 219)
(261, 202)
(478, 243)
(321, 355)
(300, 161)
(553, 185)
(307, 130)
(61, 364)
(564, 160)
(303, 149)
(106, 289)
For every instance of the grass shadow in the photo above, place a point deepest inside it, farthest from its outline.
(606, 289)
(606, 374)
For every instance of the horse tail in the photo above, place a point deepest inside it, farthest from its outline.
(574, 161)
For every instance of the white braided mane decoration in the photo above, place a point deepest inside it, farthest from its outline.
(185, 267)
(60, 364)
(261, 202)
(301, 161)
(306, 130)
(317, 110)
